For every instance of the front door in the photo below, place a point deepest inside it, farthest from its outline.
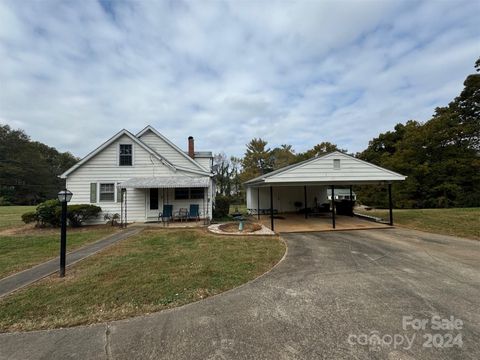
(153, 203)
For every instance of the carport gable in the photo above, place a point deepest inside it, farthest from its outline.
(335, 168)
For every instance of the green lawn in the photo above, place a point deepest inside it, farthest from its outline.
(154, 270)
(19, 251)
(12, 215)
(463, 222)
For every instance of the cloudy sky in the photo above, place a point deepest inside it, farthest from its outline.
(73, 73)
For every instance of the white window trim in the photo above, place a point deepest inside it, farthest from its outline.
(118, 154)
(114, 191)
(337, 161)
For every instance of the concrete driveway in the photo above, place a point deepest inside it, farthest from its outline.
(324, 301)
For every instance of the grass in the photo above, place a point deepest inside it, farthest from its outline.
(20, 250)
(12, 215)
(463, 222)
(154, 270)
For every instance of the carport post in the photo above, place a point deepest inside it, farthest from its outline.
(390, 205)
(333, 206)
(305, 199)
(258, 203)
(271, 209)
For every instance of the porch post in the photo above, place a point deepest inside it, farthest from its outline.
(203, 204)
(126, 221)
(351, 199)
(390, 205)
(333, 206)
(305, 199)
(121, 208)
(271, 209)
(258, 203)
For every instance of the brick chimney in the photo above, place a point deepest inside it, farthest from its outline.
(191, 147)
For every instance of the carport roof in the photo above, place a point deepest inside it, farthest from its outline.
(335, 168)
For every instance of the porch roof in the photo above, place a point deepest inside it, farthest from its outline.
(165, 182)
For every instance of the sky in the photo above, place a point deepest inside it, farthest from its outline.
(74, 73)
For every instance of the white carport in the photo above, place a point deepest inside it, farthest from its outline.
(311, 178)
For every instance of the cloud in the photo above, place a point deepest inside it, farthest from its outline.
(74, 73)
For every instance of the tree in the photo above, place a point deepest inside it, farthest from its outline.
(29, 170)
(440, 157)
(283, 156)
(257, 160)
(319, 149)
(227, 174)
(221, 171)
(236, 168)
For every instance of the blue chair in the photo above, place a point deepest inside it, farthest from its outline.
(166, 215)
(194, 212)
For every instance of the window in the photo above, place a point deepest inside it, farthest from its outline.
(107, 192)
(336, 164)
(186, 193)
(125, 157)
(181, 194)
(196, 193)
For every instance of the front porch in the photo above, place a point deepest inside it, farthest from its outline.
(294, 222)
(173, 201)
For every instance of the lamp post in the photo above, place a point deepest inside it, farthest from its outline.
(64, 197)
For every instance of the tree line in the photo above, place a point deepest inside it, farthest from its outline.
(440, 157)
(29, 169)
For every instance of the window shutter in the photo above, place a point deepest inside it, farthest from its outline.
(119, 194)
(93, 192)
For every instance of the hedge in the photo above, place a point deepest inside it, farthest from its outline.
(49, 213)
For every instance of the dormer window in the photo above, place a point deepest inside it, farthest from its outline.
(125, 155)
(336, 164)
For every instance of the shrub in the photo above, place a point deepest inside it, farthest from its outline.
(111, 219)
(29, 217)
(222, 206)
(4, 201)
(77, 214)
(49, 213)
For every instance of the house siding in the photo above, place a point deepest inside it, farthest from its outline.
(205, 162)
(168, 152)
(322, 169)
(103, 168)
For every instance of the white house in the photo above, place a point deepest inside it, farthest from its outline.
(310, 184)
(151, 172)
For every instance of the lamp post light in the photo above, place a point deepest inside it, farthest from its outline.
(64, 197)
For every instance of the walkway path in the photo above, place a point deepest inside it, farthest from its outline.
(26, 277)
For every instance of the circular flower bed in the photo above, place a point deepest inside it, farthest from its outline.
(249, 228)
(232, 227)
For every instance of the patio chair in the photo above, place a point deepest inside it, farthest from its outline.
(181, 214)
(166, 215)
(194, 213)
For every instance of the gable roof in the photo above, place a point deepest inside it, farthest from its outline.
(186, 156)
(139, 142)
(319, 170)
(111, 141)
